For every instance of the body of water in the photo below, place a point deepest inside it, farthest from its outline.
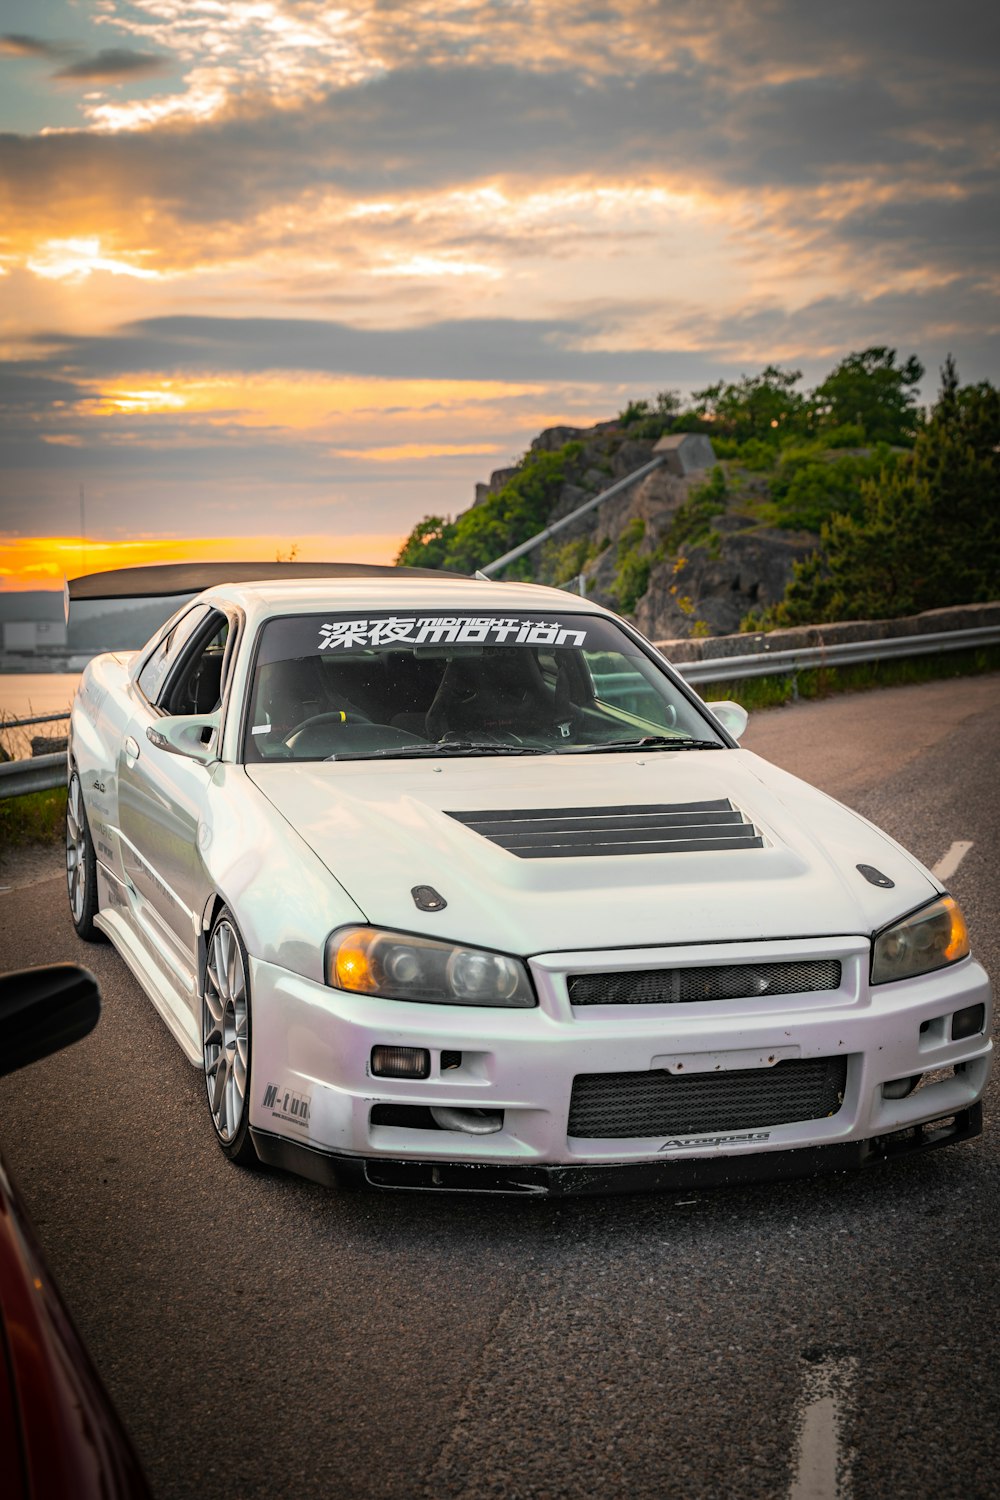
(23, 694)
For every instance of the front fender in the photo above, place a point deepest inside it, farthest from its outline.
(285, 901)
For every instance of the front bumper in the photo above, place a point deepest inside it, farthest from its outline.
(315, 1105)
(330, 1169)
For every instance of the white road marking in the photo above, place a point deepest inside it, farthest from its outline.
(823, 1461)
(949, 863)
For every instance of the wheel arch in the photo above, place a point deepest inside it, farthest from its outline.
(213, 906)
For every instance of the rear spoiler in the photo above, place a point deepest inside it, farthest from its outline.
(163, 579)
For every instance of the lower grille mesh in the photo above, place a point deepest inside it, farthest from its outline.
(719, 982)
(655, 1103)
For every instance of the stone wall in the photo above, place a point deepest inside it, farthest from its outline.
(957, 617)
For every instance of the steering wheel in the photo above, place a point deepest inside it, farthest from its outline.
(339, 716)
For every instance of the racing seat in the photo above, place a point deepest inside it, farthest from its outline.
(290, 692)
(500, 692)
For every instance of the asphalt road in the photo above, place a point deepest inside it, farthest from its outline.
(266, 1337)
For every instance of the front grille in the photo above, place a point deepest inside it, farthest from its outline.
(581, 832)
(718, 982)
(658, 1103)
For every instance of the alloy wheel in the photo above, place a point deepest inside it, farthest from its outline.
(76, 849)
(226, 1030)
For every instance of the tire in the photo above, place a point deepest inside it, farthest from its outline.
(227, 1034)
(81, 865)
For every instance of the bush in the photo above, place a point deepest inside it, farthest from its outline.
(811, 486)
(562, 564)
(632, 574)
(693, 519)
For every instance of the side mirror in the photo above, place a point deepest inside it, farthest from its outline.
(194, 735)
(43, 1010)
(732, 716)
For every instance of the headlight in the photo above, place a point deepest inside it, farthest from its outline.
(367, 961)
(929, 939)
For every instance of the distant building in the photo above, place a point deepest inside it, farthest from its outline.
(26, 636)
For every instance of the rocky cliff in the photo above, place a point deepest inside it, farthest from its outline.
(680, 553)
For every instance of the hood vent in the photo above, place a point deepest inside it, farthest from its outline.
(586, 832)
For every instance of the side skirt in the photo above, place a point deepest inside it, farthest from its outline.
(172, 1005)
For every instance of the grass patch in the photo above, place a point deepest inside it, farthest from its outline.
(755, 693)
(38, 818)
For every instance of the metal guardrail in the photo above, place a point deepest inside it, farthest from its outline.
(44, 772)
(38, 719)
(782, 663)
(39, 774)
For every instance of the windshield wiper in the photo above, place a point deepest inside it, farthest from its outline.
(648, 742)
(447, 747)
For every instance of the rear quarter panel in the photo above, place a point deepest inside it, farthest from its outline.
(101, 711)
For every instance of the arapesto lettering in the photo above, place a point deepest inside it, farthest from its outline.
(686, 1142)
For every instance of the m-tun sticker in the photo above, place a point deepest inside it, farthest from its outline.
(446, 630)
(286, 1104)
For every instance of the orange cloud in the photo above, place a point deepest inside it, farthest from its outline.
(44, 562)
(301, 402)
(404, 452)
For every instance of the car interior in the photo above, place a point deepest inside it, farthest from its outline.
(312, 707)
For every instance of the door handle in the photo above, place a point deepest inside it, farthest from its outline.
(131, 748)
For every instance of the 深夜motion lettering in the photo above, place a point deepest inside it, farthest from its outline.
(411, 630)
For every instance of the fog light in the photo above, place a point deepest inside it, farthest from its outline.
(968, 1022)
(900, 1087)
(401, 1062)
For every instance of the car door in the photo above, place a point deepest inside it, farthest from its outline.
(161, 795)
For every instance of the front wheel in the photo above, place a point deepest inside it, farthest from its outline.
(81, 865)
(227, 1035)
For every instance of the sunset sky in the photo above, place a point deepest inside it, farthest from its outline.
(278, 272)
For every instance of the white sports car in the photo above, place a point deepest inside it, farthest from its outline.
(456, 884)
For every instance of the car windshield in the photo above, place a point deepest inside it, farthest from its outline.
(401, 686)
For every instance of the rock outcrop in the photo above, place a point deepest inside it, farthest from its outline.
(703, 585)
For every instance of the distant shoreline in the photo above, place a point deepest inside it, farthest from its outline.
(16, 665)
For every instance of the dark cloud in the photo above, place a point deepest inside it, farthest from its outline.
(890, 38)
(114, 65)
(960, 233)
(956, 316)
(432, 128)
(22, 388)
(523, 351)
(462, 349)
(18, 44)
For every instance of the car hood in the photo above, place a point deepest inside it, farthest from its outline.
(382, 831)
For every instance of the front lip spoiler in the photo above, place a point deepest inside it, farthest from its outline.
(331, 1168)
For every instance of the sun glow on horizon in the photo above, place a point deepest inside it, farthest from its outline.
(45, 562)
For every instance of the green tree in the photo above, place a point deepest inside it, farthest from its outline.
(515, 513)
(928, 533)
(651, 421)
(762, 406)
(427, 544)
(870, 390)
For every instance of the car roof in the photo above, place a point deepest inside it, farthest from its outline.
(396, 592)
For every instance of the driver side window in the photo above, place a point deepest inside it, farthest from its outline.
(196, 688)
(154, 673)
